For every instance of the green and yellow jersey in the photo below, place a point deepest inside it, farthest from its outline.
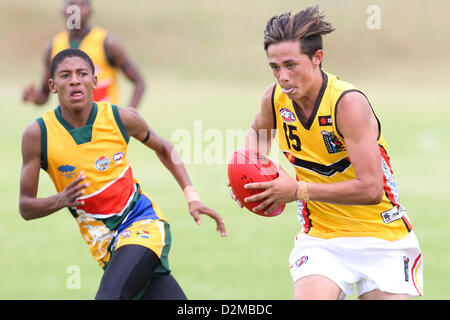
(99, 148)
(93, 43)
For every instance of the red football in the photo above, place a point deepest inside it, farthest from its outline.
(247, 166)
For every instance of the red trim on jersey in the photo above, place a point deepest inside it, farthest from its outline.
(305, 214)
(386, 187)
(388, 190)
(113, 199)
(407, 224)
(290, 157)
(412, 274)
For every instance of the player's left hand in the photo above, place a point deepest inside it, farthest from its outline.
(281, 190)
(196, 208)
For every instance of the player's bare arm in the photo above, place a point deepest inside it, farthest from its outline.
(359, 127)
(39, 95)
(259, 136)
(30, 206)
(138, 128)
(121, 60)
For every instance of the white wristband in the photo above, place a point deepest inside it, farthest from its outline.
(191, 194)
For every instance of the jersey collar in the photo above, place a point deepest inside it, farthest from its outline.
(83, 134)
(307, 125)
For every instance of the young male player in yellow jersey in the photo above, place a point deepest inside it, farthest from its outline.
(354, 230)
(82, 145)
(105, 50)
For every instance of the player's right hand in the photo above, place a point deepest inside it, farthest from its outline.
(233, 196)
(69, 196)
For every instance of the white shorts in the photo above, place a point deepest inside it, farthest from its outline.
(370, 263)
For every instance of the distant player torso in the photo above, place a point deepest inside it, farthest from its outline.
(99, 149)
(93, 43)
(318, 153)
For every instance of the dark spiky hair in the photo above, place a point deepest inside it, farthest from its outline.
(307, 26)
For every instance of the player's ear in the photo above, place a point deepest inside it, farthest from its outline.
(317, 57)
(94, 81)
(52, 85)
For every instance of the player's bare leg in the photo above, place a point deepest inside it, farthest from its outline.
(377, 294)
(316, 287)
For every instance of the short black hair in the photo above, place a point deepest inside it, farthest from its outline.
(67, 53)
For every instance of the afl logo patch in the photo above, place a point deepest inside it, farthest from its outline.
(287, 115)
(118, 156)
(102, 163)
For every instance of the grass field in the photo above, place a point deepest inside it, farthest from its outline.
(205, 62)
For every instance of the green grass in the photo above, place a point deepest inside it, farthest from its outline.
(251, 263)
(212, 69)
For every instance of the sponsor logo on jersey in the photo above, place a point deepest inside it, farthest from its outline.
(301, 261)
(325, 121)
(391, 215)
(287, 115)
(143, 234)
(406, 268)
(332, 142)
(66, 168)
(102, 163)
(67, 171)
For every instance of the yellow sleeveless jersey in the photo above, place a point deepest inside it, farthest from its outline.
(318, 152)
(100, 150)
(93, 43)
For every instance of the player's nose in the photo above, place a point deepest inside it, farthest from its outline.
(75, 79)
(283, 75)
